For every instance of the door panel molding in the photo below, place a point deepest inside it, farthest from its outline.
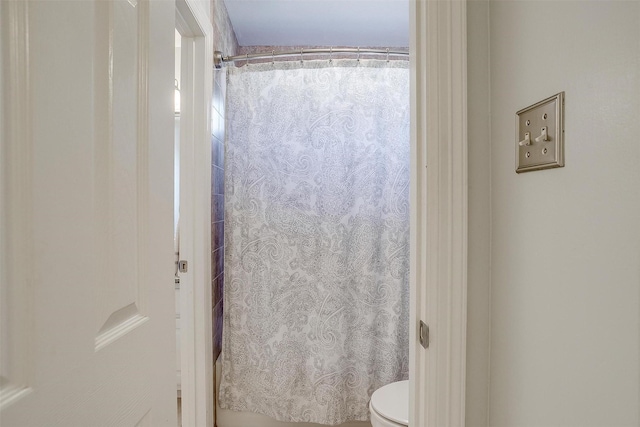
(124, 163)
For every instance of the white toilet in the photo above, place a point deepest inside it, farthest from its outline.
(389, 406)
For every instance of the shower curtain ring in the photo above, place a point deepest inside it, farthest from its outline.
(387, 55)
(330, 54)
(246, 61)
(301, 56)
(273, 57)
(358, 55)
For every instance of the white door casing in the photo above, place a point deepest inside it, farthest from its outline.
(438, 212)
(87, 267)
(196, 335)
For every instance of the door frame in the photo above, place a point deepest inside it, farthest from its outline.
(438, 216)
(438, 211)
(196, 330)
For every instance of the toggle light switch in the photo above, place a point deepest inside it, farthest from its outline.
(543, 135)
(526, 140)
(546, 120)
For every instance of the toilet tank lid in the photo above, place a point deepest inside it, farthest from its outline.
(392, 402)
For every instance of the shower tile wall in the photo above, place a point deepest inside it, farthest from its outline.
(217, 207)
(225, 41)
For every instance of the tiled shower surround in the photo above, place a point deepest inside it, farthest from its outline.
(224, 40)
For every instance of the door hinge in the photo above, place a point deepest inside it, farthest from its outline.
(423, 332)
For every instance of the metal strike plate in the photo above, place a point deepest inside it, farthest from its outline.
(183, 266)
(540, 135)
(424, 334)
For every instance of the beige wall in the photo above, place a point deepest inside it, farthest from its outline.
(478, 292)
(564, 243)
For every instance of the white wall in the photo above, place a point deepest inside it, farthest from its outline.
(565, 243)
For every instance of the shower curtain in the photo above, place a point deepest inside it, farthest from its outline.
(316, 294)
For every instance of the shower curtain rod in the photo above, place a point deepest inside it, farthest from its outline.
(219, 60)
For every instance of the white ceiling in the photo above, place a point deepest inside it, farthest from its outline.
(383, 23)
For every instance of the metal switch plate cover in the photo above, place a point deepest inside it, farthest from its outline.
(540, 135)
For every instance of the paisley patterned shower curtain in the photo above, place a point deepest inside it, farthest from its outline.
(316, 294)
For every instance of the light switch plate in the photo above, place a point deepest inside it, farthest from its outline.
(540, 135)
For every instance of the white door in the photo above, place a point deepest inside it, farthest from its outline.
(86, 161)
